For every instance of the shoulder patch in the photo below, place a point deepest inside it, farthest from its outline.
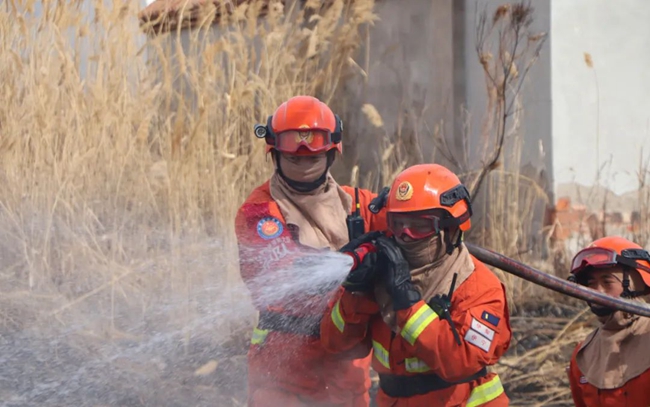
(269, 228)
(482, 329)
(478, 340)
(492, 319)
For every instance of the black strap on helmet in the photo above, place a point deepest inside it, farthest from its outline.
(450, 198)
(457, 193)
(628, 258)
(269, 136)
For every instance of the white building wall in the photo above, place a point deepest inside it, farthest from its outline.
(605, 111)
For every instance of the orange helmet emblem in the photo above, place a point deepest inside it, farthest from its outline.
(404, 191)
(303, 125)
(430, 186)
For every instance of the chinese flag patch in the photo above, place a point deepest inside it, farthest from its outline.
(492, 319)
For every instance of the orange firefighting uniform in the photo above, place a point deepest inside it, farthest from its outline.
(635, 392)
(415, 364)
(287, 365)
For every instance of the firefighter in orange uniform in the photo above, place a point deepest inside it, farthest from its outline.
(611, 367)
(434, 315)
(300, 211)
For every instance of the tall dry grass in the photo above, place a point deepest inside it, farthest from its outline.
(116, 148)
(124, 158)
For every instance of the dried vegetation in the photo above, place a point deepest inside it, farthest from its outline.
(123, 159)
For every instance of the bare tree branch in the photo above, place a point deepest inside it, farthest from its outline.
(515, 42)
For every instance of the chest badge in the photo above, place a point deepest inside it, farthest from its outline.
(269, 228)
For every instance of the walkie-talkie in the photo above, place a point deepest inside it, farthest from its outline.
(355, 223)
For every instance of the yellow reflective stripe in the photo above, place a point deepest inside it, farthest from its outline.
(416, 324)
(416, 365)
(381, 354)
(259, 335)
(485, 392)
(337, 318)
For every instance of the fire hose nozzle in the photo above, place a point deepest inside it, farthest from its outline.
(360, 253)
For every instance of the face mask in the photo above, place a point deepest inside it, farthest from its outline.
(303, 168)
(423, 252)
(601, 311)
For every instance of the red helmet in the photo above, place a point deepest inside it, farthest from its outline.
(303, 125)
(425, 199)
(609, 252)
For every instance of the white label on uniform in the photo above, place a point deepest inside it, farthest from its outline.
(478, 340)
(482, 329)
(273, 252)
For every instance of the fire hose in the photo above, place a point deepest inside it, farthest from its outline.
(555, 283)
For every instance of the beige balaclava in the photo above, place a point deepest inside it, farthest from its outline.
(319, 214)
(617, 351)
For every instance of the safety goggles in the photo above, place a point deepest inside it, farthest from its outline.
(421, 225)
(313, 140)
(599, 257)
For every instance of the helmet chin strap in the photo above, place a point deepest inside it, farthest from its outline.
(302, 186)
(449, 244)
(627, 294)
(601, 311)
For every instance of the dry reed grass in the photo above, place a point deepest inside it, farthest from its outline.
(123, 160)
(150, 147)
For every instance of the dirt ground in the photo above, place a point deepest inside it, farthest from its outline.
(41, 367)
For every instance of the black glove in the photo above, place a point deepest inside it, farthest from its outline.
(396, 274)
(362, 278)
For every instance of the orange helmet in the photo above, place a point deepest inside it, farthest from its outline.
(303, 125)
(435, 194)
(611, 251)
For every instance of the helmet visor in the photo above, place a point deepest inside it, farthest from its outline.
(593, 257)
(600, 257)
(315, 141)
(413, 226)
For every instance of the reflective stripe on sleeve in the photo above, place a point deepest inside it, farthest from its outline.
(415, 365)
(381, 354)
(337, 318)
(417, 323)
(486, 392)
(259, 335)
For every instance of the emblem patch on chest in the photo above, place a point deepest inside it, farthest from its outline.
(269, 228)
(583, 380)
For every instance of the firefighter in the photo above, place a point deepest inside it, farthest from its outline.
(434, 316)
(299, 211)
(611, 367)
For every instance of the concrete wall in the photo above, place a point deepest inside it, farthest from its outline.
(536, 118)
(422, 69)
(507, 204)
(89, 45)
(409, 61)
